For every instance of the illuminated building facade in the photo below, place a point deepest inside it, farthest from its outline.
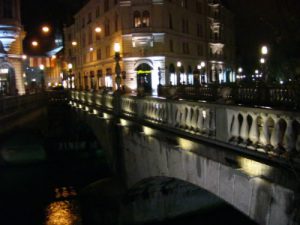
(161, 41)
(11, 48)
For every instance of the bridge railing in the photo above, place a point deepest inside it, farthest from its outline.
(286, 97)
(265, 130)
(11, 104)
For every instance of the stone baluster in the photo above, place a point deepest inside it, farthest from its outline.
(212, 123)
(254, 132)
(235, 133)
(183, 117)
(177, 116)
(276, 134)
(264, 132)
(200, 120)
(206, 117)
(289, 139)
(244, 134)
(189, 117)
(194, 118)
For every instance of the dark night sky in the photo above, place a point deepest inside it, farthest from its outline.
(274, 22)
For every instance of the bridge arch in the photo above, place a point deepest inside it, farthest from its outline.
(262, 201)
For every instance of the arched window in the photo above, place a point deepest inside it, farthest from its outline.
(137, 19)
(146, 19)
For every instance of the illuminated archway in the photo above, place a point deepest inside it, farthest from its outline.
(144, 77)
(7, 79)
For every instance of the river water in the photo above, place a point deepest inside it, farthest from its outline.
(44, 170)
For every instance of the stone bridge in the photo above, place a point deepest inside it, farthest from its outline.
(248, 157)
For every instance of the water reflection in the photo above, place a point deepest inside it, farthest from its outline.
(63, 213)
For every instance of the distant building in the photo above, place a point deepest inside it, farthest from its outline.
(11, 48)
(160, 41)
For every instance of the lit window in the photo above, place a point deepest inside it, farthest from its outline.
(146, 19)
(137, 19)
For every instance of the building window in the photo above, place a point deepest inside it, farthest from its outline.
(171, 46)
(116, 22)
(106, 5)
(83, 40)
(7, 9)
(199, 6)
(199, 30)
(83, 22)
(97, 11)
(90, 36)
(146, 19)
(89, 18)
(99, 55)
(200, 50)
(170, 21)
(185, 48)
(107, 51)
(106, 28)
(137, 19)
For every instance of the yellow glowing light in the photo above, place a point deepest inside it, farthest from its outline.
(124, 123)
(179, 64)
(87, 108)
(74, 43)
(70, 66)
(202, 64)
(24, 57)
(149, 131)
(264, 50)
(253, 168)
(45, 29)
(262, 60)
(117, 47)
(144, 72)
(53, 57)
(186, 144)
(34, 43)
(98, 30)
(95, 112)
(42, 67)
(63, 213)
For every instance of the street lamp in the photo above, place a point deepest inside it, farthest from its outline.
(202, 64)
(34, 43)
(45, 29)
(179, 65)
(69, 80)
(264, 52)
(117, 49)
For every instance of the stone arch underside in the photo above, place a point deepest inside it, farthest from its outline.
(147, 157)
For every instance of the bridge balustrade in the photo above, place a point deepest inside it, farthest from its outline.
(273, 132)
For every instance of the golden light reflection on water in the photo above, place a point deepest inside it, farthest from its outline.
(63, 213)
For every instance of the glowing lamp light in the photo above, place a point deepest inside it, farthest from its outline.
(202, 64)
(256, 71)
(179, 64)
(45, 29)
(240, 70)
(91, 49)
(24, 57)
(262, 60)
(117, 47)
(70, 66)
(34, 43)
(264, 50)
(74, 43)
(98, 30)
(53, 57)
(199, 67)
(42, 67)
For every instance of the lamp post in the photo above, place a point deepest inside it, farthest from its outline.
(264, 53)
(69, 79)
(42, 68)
(117, 68)
(202, 75)
(179, 65)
